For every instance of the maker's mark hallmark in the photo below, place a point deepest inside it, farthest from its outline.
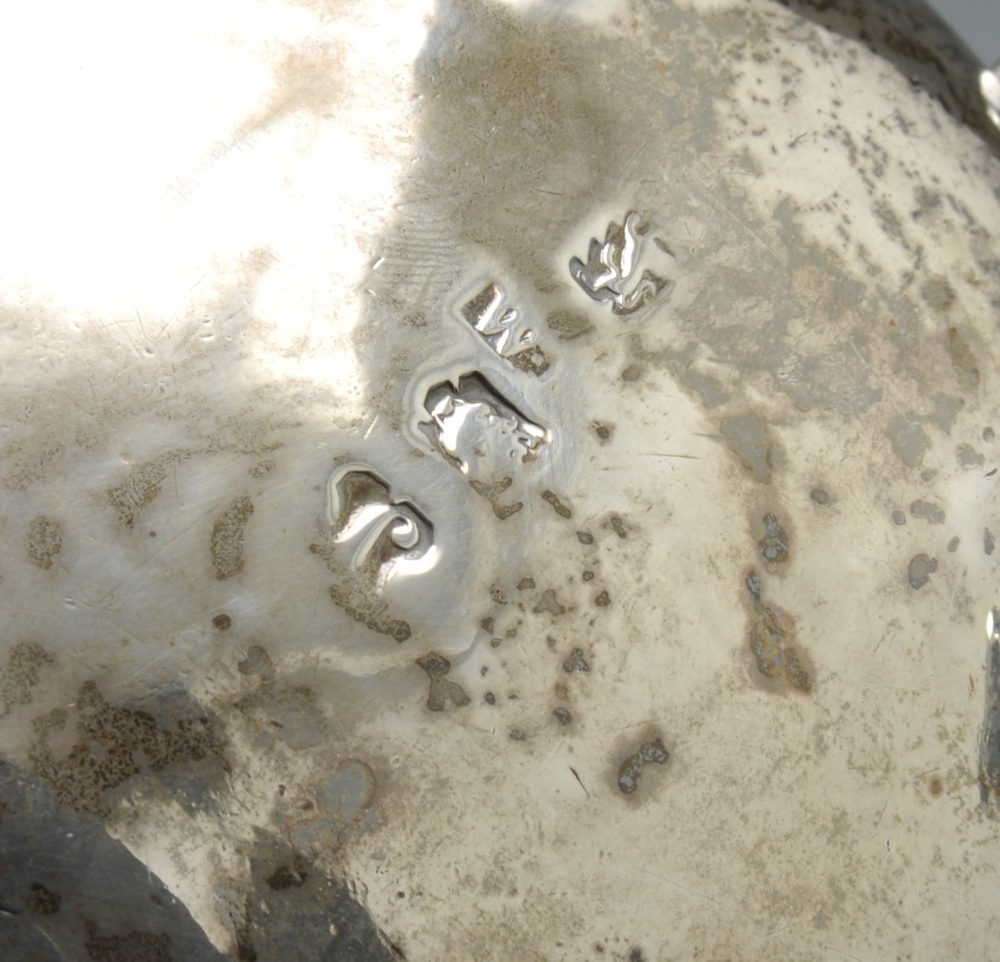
(621, 270)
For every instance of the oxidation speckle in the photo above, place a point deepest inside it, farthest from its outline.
(441, 690)
(44, 541)
(576, 662)
(953, 545)
(989, 543)
(774, 544)
(562, 715)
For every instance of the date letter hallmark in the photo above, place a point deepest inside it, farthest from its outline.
(500, 326)
(625, 268)
(384, 536)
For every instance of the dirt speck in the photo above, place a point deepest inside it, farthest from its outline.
(584, 537)
(953, 545)
(227, 538)
(602, 600)
(898, 517)
(525, 584)
(44, 541)
(557, 505)
(498, 594)
(588, 576)
(286, 877)
(920, 569)
(603, 431)
(936, 785)
(618, 526)
(222, 622)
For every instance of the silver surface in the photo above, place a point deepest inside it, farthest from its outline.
(497, 481)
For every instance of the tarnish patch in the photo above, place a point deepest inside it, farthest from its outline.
(989, 735)
(442, 691)
(371, 611)
(227, 538)
(112, 745)
(21, 674)
(44, 541)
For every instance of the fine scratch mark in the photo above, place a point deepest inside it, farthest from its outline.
(577, 777)
(707, 192)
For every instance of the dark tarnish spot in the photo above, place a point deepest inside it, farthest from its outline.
(531, 361)
(21, 674)
(747, 437)
(525, 583)
(989, 736)
(774, 544)
(492, 493)
(549, 603)
(557, 505)
(631, 769)
(222, 622)
(113, 745)
(567, 325)
(953, 544)
(928, 512)
(372, 612)
(898, 517)
(576, 662)
(602, 431)
(963, 361)
(227, 538)
(135, 947)
(442, 691)
(584, 537)
(618, 526)
(42, 901)
(920, 569)
(603, 600)
(772, 641)
(44, 541)
(562, 715)
(988, 541)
